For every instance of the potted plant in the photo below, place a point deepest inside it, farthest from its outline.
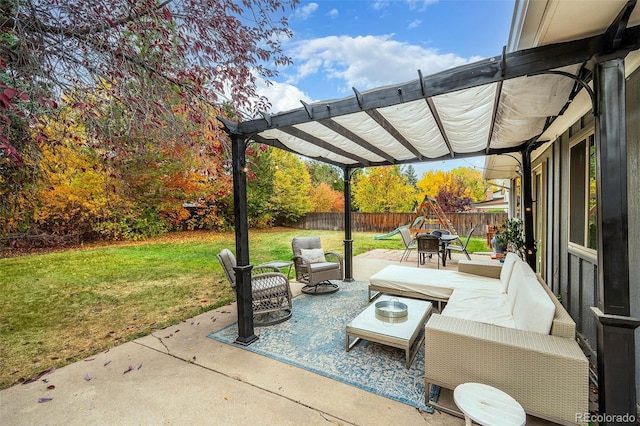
(510, 235)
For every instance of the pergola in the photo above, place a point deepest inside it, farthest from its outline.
(499, 105)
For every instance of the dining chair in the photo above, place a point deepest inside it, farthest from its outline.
(462, 247)
(428, 245)
(409, 243)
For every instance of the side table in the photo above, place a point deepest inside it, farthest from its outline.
(279, 264)
(488, 406)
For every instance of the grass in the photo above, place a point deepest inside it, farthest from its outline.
(58, 307)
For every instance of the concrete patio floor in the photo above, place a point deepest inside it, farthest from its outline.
(180, 376)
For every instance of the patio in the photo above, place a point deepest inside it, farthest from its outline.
(178, 375)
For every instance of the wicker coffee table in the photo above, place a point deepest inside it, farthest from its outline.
(403, 332)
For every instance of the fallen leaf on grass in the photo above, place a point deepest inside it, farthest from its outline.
(39, 375)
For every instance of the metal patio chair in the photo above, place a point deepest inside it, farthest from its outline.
(409, 243)
(428, 245)
(462, 247)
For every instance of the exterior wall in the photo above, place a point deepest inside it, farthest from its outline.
(571, 272)
(633, 183)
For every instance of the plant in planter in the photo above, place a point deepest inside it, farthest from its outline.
(511, 236)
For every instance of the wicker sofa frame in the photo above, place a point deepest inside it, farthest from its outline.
(547, 374)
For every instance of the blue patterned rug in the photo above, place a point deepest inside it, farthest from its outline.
(314, 339)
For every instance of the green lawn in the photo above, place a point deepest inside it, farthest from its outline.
(58, 307)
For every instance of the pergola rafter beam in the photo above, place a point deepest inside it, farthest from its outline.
(496, 104)
(276, 143)
(436, 117)
(343, 131)
(390, 129)
(294, 131)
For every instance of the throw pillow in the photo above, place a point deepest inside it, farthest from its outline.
(313, 255)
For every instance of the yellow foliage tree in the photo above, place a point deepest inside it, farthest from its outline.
(325, 199)
(291, 187)
(462, 180)
(384, 189)
(75, 188)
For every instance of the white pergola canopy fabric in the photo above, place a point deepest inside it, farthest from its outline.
(466, 117)
(472, 121)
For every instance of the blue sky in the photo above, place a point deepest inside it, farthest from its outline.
(338, 45)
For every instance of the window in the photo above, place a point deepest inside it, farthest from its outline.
(583, 211)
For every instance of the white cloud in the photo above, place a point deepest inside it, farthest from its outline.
(282, 96)
(380, 4)
(333, 13)
(414, 24)
(366, 61)
(305, 11)
(420, 4)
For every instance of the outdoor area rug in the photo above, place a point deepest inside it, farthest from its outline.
(314, 339)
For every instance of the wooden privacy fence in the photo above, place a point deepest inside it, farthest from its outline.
(387, 222)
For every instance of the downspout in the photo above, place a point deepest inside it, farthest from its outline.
(527, 201)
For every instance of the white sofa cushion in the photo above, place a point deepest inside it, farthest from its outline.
(480, 306)
(533, 310)
(507, 269)
(520, 271)
(435, 283)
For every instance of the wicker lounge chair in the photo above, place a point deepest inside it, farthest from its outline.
(270, 291)
(315, 267)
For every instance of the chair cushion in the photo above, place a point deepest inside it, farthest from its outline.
(324, 266)
(228, 262)
(313, 255)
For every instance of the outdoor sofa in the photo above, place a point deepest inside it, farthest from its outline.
(503, 327)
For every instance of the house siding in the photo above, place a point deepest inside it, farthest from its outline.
(633, 183)
(572, 273)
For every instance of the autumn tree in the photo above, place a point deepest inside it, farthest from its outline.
(325, 199)
(323, 172)
(261, 166)
(455, 190)
(139, 53)
(291, 186)
(383, 189)
(410, 173)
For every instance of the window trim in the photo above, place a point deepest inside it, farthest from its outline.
(583, 249)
